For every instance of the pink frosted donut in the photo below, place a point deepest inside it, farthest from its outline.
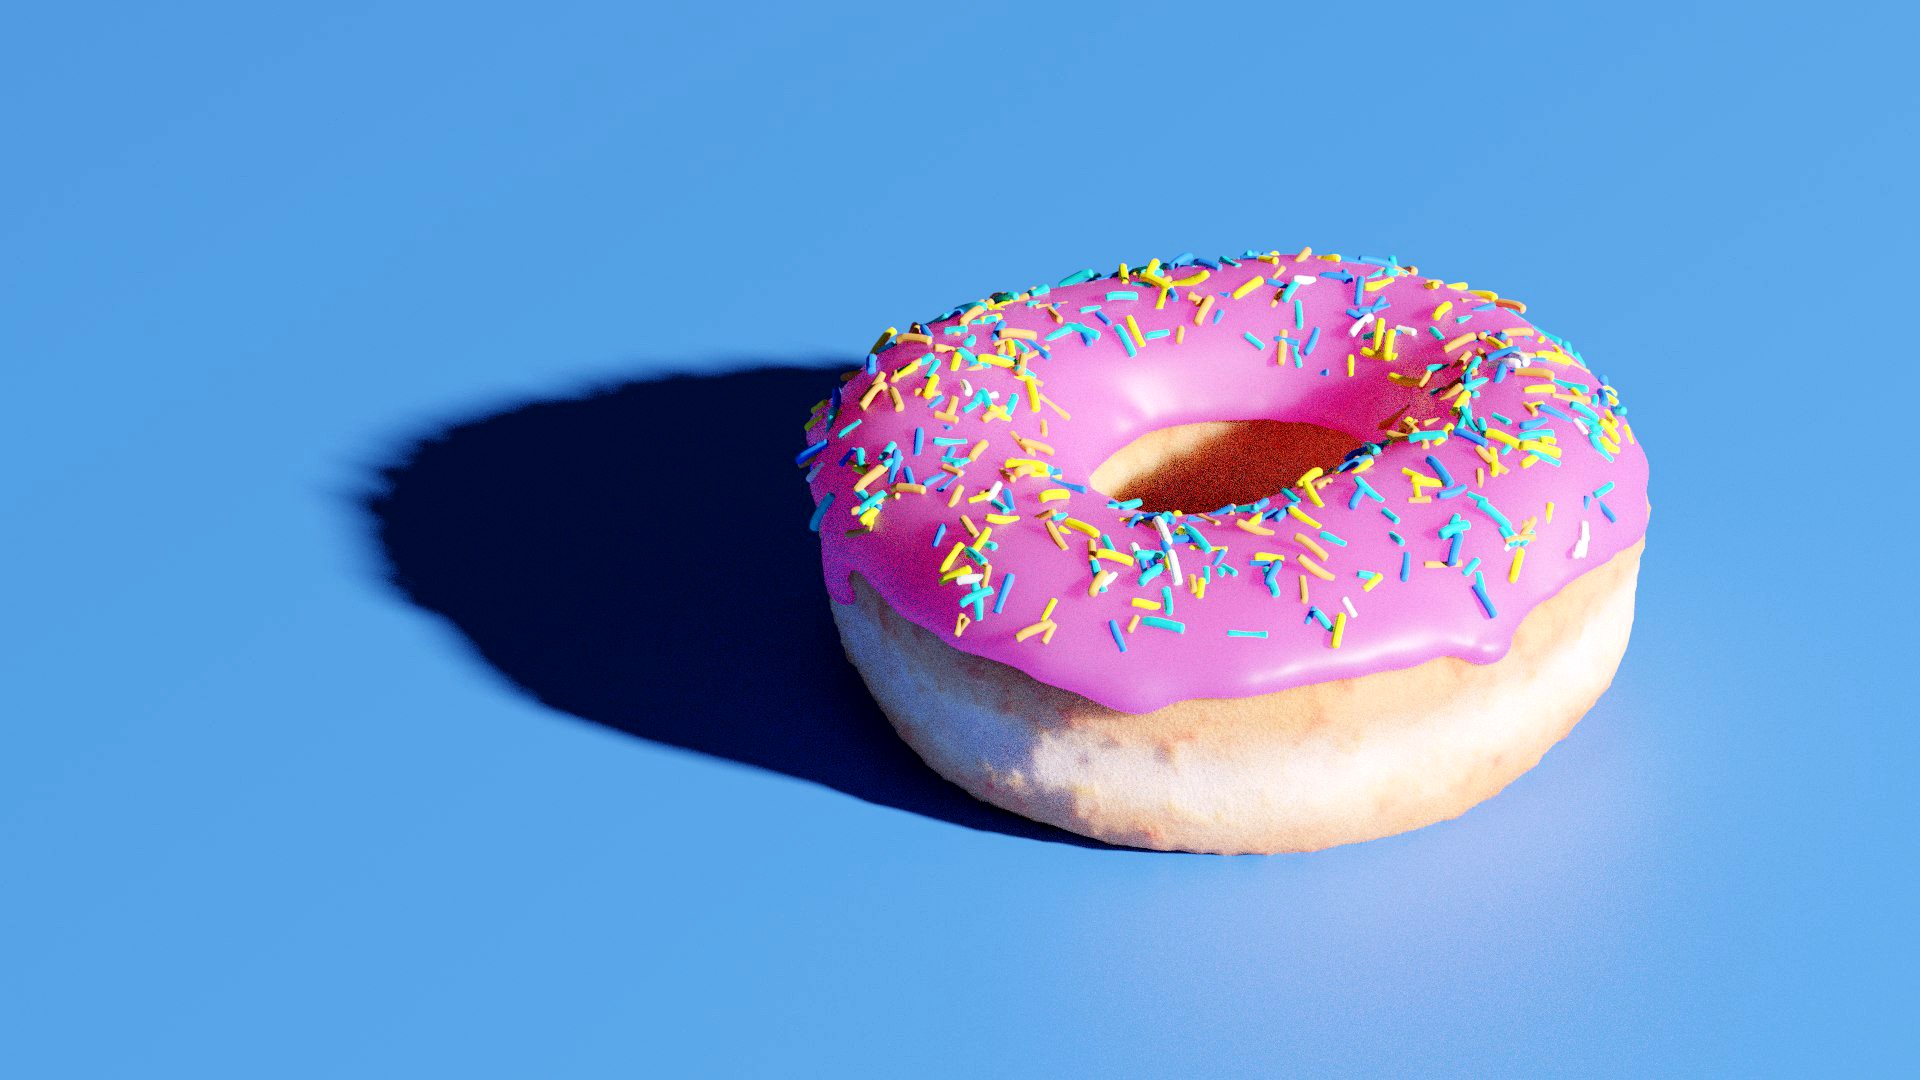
(1252, 554)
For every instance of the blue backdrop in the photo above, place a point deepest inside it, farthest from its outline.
(348, 733)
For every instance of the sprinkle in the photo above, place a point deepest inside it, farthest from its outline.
(1254, 341)
(1247, 633)
(1248, 286)
(1000, 598)
(1165, 624)
(1480, 591)
(1314, 568)
(819, 512)
(1114, 629)
(1339, 629)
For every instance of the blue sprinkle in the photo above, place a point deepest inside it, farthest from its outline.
(1000, 598)
(813, 523)
(939, 534)
(812, 452)
(1114, 629)
(1406, 564)
(1480, 590)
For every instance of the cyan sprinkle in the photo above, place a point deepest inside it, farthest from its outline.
(1247, 633)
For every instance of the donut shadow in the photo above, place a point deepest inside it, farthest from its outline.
(638, 557)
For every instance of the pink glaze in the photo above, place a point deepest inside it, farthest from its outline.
(1216, 374)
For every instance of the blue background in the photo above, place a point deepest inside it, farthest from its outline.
(265, 812)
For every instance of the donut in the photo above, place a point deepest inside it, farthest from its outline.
(1253, 554)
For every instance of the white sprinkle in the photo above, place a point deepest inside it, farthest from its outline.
(1580, 548)
(1166, 545)
(967, 579)
(993, 492)
(1304, 279)
(1348, 601)
(1360, 324)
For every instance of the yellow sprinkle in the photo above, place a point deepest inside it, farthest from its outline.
(882, 339)
(1055, 495)
(1192, 279)
(1020, 335)
(1306, 481)
(1349, 365)
(981, 497)
(1306, 541)
(1519, 556)
(1003, 519)
(1046, 613)
(1372, 581)
(1379, 283)
(872, 474)
(1339, 628)
(1180, 334)
(1303, 588)
(952, 555)
(1314, 568)
(1302, 516)
(1081, 527)
(1115, 556)
(1549, 513)
(1160, 301)
(1133, 331)
(1199, 587)
(1445, 306)
(1147, 605)
(867, 518)
(1268, 556)
(1248, 286)
(1037, 628)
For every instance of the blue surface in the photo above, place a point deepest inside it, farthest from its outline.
(266, 812)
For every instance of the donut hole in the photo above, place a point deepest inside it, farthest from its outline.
(1196, 468)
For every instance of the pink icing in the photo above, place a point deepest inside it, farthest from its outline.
(1217, 374)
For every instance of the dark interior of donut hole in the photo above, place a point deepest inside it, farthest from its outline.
(1196, 468)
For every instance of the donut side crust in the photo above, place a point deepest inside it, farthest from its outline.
(1301, 769)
